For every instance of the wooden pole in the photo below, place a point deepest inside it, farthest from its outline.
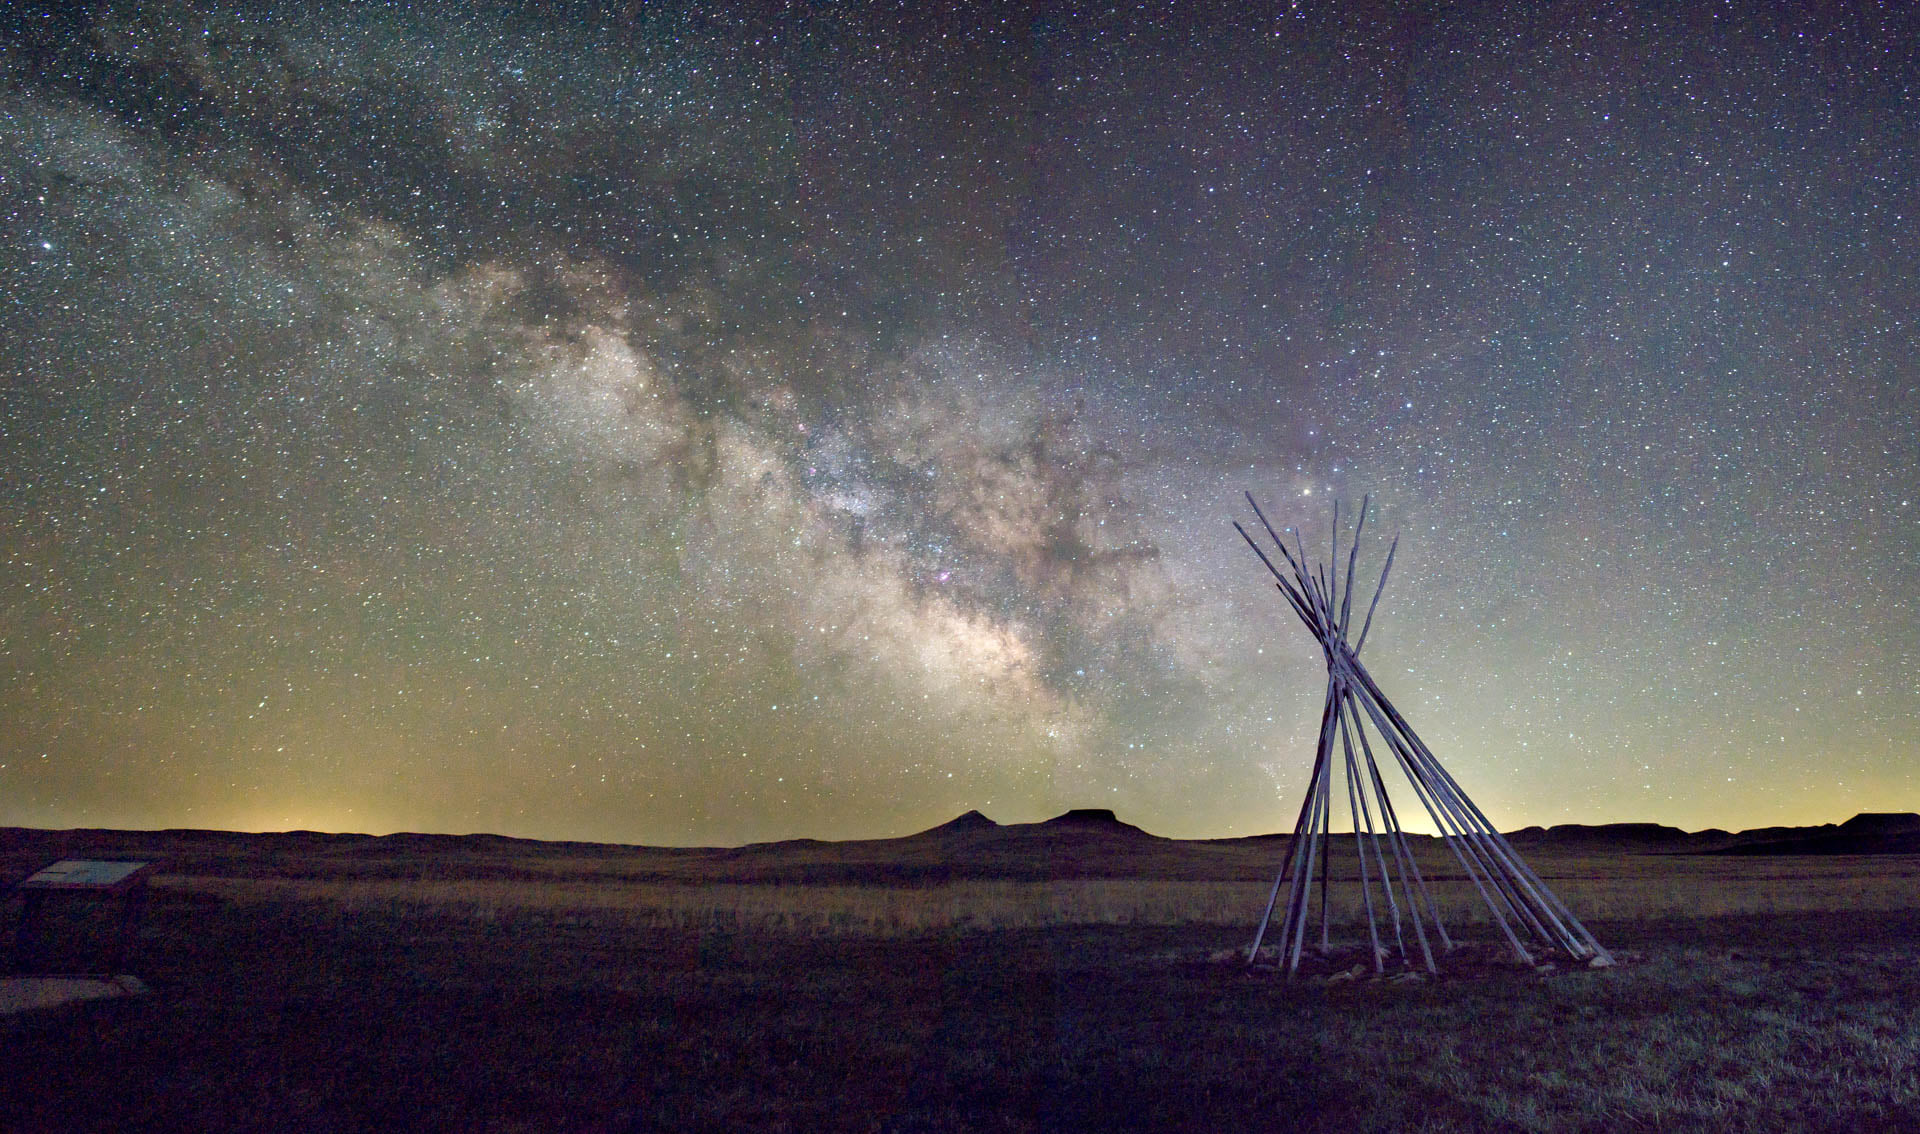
(1461, 835)
(1497, 870)
(1286, 865)
(1303, 885)
(1373, 840)
(1286, 588)
(1300, 545)
(1577, 942)
(1496, 842)
(1360, 846)
(1381, 586)
(1326, 843)
(1411, 882)
(1461, 849)
(1290, 925)
(1572, 935)
(1299, 568)
(1353, 553)
(1333, 559)
(1499, 873)
(1409, 863)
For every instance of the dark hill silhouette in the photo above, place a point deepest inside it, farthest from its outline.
(1084, 817)
(1870, 832)
(1866, 833)
(1089, 820)
(966, 824)
(1882, 823)
(1615, 837)
(1831, 844)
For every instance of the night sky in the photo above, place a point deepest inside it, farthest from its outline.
(706, 424)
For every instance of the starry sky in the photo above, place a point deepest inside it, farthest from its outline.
(693, 424)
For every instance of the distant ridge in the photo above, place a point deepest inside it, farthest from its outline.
(960, 825)
(1610, 836)
(965, 841)
(1077, 821)
(1870, 832)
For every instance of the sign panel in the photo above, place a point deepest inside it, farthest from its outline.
(84, 874)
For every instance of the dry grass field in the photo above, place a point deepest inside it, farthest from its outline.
(1611, 888)
(1067, 976)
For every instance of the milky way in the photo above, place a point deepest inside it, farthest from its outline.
(703, 425)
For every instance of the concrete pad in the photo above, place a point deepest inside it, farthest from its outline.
(24, 994)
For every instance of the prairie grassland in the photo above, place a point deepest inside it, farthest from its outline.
(506, 1004)
(271, 1015)
(1595, 887)
(1750, 1038)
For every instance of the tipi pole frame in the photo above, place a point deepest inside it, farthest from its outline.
(1321, 595)
(1323, 851)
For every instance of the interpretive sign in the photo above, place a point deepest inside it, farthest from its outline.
(85, 874)
(81, 877)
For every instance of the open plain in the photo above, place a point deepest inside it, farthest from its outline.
(1075, 974)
